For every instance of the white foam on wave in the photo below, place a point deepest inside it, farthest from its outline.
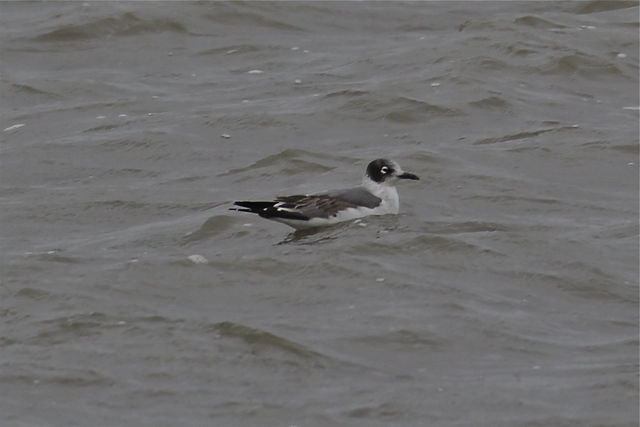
(197, 259)
(16, 126)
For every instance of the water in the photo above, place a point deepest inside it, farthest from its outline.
(505, 293)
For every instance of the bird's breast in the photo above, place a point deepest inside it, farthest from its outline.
(390, 202)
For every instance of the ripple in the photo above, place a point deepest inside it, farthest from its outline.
(289, 162)
(382, 411)
(465, 227)
(348, 93)
(249, 18)
(53, 376)
(500, 198)
(521, 135)
(119, 205)
(33, 293)
(262, 341)
(587, 66)
(537, 22)
(22, 90)
(402, 338)
(492, 103)
(65, 329)
(213, 226)
(399, 109)
(417, 244)
(126, 24)
(603, 5)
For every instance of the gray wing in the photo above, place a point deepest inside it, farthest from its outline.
(328, 204)
(358, 196)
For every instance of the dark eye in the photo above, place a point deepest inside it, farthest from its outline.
(384, 169)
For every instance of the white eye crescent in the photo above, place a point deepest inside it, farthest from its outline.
(384, 169)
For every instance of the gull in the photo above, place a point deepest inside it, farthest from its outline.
(377, 195)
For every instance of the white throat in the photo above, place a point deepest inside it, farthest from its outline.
(387, 192)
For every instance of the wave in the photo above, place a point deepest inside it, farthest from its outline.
(603, 6)
(290, 161)
(125, 24)
(262, 341)
(397, 109)
(582, 64)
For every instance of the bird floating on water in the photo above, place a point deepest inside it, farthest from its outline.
(376, 196)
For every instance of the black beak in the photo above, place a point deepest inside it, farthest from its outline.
(408, 175)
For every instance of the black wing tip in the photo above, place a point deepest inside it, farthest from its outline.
(266, 210)
(240, 210)
(254, 206)
(247, 203)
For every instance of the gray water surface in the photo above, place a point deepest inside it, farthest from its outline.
(504, 294)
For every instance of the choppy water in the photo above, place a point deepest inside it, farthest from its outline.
(504, 294)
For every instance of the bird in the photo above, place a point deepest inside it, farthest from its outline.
(377, 195)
